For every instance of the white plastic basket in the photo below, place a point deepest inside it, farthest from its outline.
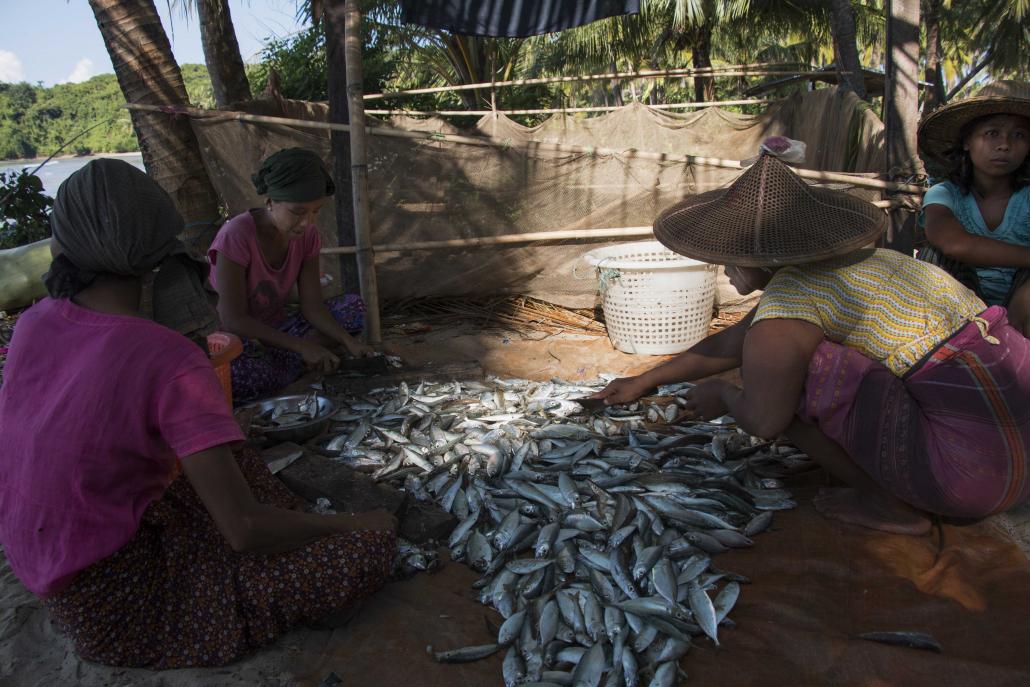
(655, 302)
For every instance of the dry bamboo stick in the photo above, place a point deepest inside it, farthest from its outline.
(730, 70)
(487, 142)
(557, 110)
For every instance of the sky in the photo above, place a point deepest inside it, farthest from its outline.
(57, 41)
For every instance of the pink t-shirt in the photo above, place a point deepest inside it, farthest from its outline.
(94, 410)
(267, 288)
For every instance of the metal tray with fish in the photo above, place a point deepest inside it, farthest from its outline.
(296, 417)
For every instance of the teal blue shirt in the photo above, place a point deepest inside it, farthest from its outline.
(995, 282)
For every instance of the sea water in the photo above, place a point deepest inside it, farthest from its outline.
(57, 170)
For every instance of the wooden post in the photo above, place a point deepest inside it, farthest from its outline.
(901, 112)
(339, 142)
(359, 171)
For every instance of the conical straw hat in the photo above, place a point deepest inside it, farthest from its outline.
(939, 131)
(769, 216)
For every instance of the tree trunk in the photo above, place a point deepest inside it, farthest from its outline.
(845, 50)
(148, 74)
(701, 58)
(936, 94)
(339, 113)
(901, 109)
(616, 87)
(222, 53)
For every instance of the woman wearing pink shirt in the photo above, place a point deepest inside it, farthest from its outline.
(258, 257)
(140, 565)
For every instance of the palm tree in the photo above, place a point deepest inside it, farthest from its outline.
(222, 53)
(221, 50)
(984, 36)
(148, 74)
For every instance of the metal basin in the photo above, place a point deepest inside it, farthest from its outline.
(298, 432)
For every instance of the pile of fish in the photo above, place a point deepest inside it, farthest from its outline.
(287, 412)
(594, 532)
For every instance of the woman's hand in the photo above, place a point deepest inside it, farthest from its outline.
(317, 357)
(380, 520)
(359, 349)
(706, 400)
(623, 390)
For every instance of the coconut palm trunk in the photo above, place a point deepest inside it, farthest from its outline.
(148, 74)
(934, 73)
(845, 50)
(222, 53)
(701, 58)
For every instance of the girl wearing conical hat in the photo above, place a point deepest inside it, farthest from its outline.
(846, 354)
(259, 257)
(978, 221)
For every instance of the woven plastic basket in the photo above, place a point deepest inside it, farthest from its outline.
(655, 302)
(223, 348)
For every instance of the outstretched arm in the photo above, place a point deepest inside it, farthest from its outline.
(714, 354)
(777, 353)
(255, 527)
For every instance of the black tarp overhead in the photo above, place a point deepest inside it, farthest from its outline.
(512, 18)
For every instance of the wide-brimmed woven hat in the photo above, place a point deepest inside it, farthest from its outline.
(939, 130)
(769, 216)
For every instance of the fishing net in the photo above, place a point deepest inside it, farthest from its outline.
(432, 189)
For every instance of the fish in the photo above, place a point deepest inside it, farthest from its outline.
(911, 640)
(593, 533)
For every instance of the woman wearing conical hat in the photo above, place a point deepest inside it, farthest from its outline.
(847, 353)
(978, 221)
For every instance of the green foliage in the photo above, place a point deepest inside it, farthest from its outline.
(24, 209)
(36, 121)
(300, 62)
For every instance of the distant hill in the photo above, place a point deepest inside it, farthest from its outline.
(35, 121)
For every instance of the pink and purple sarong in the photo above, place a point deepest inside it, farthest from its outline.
(952, 436)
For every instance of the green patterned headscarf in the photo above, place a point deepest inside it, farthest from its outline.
(294, 175)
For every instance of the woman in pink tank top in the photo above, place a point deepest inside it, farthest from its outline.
(259, 256)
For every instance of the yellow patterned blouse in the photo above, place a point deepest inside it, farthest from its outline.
(890, 307)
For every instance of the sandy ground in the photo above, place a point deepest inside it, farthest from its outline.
(33, 653)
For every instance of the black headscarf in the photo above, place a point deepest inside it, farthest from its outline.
(109, 217)
(294, 175)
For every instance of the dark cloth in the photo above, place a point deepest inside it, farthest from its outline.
(182, 299)
(177, 595)
(109, 217)
(294, 175)
(952, 437)
(511, 17)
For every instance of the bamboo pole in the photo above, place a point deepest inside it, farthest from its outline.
(730, 70)
(528, 237)
(504, 143)
(557, 110)
(359, 172)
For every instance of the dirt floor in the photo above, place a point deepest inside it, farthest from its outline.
(816, 585)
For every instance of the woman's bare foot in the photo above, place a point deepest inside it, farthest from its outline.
(872, 511)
